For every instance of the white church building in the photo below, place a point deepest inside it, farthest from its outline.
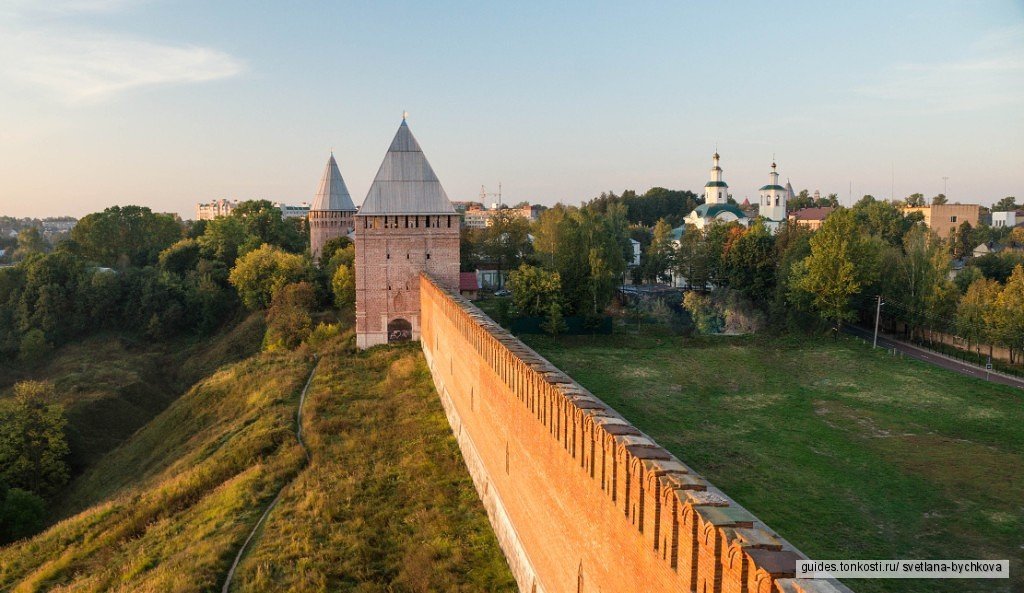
(716, 206)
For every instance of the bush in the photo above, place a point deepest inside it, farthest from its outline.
(288, 320)
(34, 346)
(22, 514)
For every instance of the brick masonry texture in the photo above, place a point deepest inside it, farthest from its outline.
(325, 225)
(580, 499)
(391, 252)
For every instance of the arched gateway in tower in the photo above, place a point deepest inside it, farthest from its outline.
(332, 210)
(405, 226)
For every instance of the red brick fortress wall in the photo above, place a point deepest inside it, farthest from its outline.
(580, 499)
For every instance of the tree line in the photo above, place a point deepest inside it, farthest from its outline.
(131, 270)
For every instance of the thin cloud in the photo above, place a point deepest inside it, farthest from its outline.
(78, 65)
(983, 81)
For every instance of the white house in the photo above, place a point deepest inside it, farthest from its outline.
(1008, 219)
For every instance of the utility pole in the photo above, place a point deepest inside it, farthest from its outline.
(878, 315)
(945, 181)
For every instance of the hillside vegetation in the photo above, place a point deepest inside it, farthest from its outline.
(112, 384)
(385, 504)
(170, 507)
(846, 452)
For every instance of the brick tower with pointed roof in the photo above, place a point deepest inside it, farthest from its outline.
(332, 212)
(405, 226)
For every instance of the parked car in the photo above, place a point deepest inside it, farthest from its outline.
(502, 292)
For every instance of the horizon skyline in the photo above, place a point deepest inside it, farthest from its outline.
(571, 102)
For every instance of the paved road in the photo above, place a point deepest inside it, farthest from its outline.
(938, 360)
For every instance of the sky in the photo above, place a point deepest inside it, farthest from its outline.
(168, 103)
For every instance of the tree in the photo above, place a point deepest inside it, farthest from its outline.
(259, 274)
(180, 257)
(750, 263)
(535, 289)
(884, 220)
(706, 317)
(692, 258)
(976, 310)
(34, 346)
(585, 248)
(960, 242)
(914, 200)
(125, 235)
(1005, 205)
(554, 324)
(939, 200)
(918, 279)
(288, 319)
(222, 239)
(33, 447)
(841, 265)
(343, 285)
(505, 241)
(1008, 314)
(659, 255)
(30, 242)
(263, 223)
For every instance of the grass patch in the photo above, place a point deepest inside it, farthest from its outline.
(167, 510)
(386, 504)
(111, 384)
(844, 451)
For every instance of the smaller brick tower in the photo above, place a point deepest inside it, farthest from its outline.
(331, 214)
(405, 226)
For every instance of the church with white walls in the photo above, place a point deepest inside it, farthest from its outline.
(716, 206)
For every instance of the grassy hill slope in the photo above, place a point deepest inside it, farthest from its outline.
(111, 384)
(180, 496)
(385, 504)
(847, 452)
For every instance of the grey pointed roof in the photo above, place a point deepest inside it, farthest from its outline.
(405, 183)
(332, 195)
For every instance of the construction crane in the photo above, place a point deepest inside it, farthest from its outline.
(484, 195)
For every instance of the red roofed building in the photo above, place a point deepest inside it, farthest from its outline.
(811, 217)
(468, 286)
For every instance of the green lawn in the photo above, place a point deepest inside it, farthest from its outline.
(844, 451)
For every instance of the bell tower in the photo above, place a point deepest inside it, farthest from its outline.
(716, 191)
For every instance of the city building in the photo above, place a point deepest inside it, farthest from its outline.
(811, 218)
(214, 209)
(1008, 219)
(405, 226)
(468, 285)
(289, 211)
(224, 207)
(716, 206)
(58, 225)
(943, 219)
(477, 217)
(772, 202)
(332, 212)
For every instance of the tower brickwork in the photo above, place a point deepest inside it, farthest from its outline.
(332, 213)
(405, 226)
